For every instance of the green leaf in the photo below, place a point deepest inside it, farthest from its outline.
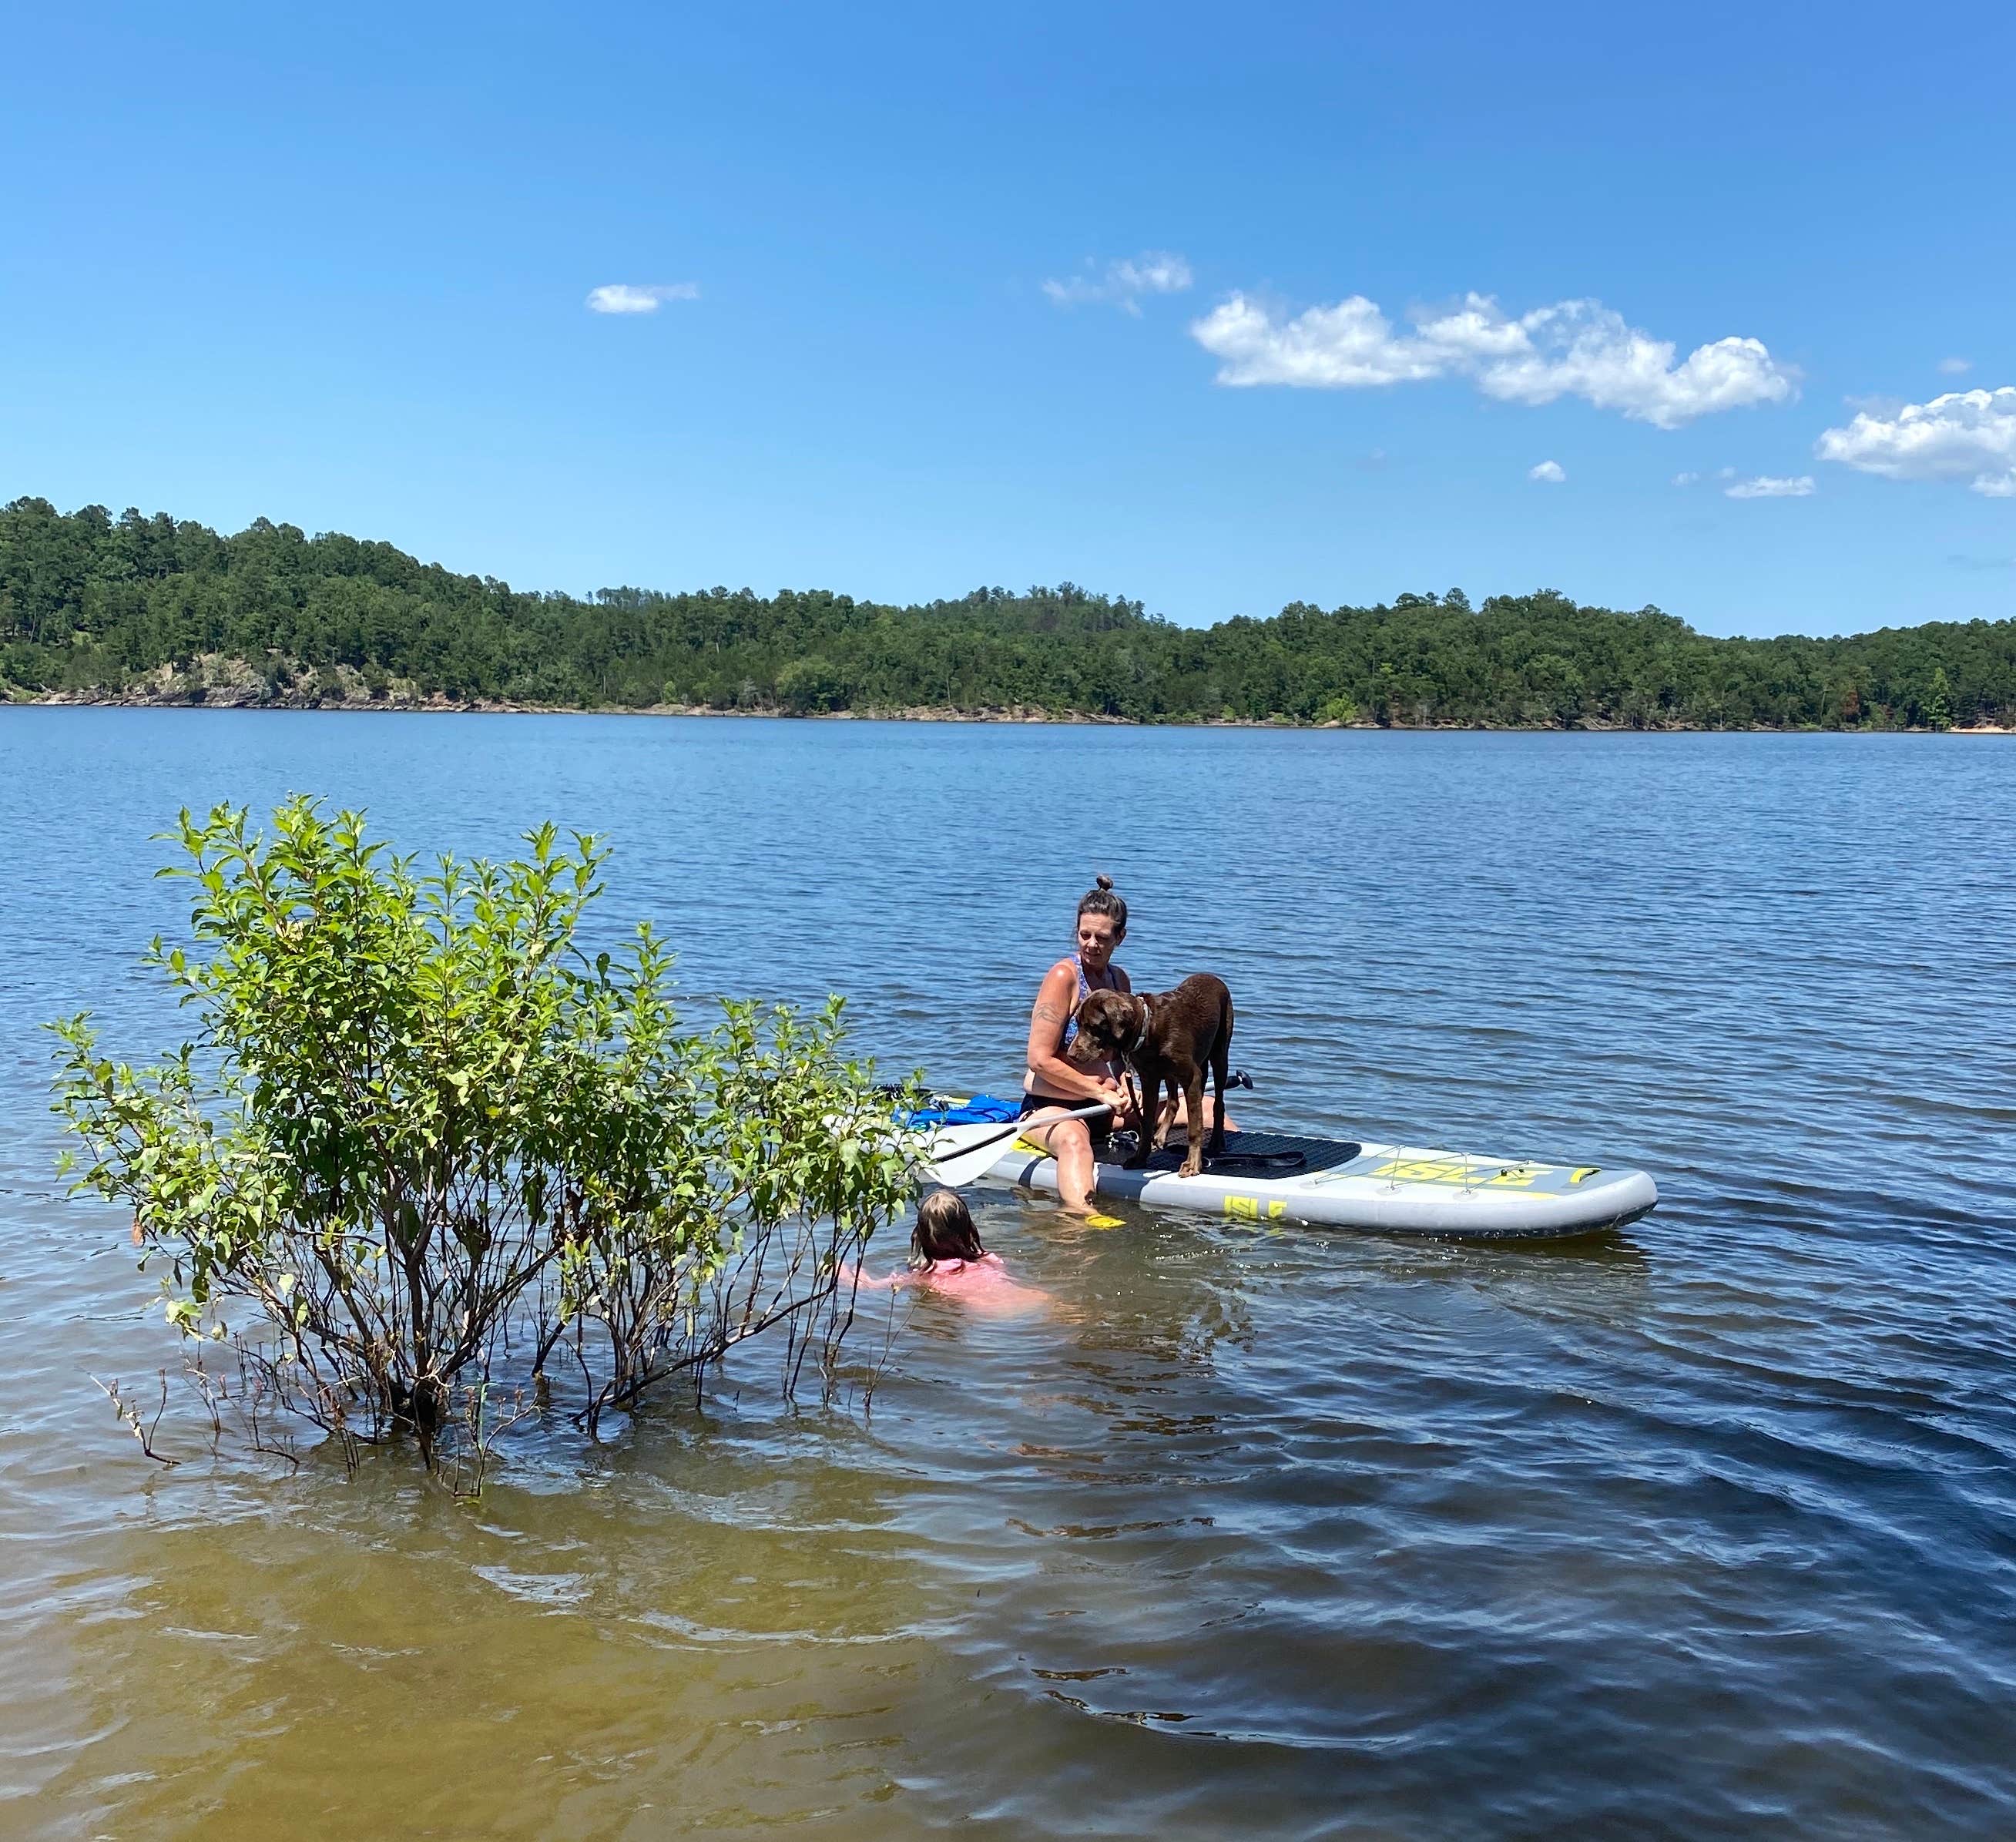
(404, 1120)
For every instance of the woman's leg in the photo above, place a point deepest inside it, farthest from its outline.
(1210, 1115)
(1070, 1143)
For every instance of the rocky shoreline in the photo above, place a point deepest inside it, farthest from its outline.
(439, 704)
(221, 683)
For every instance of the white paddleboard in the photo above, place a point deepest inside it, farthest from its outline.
(1278, 1177)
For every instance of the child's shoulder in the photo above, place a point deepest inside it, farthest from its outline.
(988, 1266)
(986, 1284)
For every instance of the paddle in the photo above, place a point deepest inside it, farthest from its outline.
(973, 1149)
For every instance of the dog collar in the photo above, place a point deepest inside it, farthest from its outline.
(1142, 1037)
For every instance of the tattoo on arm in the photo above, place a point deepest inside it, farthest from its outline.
(1049, 1013)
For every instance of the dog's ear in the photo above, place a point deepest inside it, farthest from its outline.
(1097, 1027)
(1085, 1033)
(1113, 1016)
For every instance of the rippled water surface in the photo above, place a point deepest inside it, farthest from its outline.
(1705, 1529)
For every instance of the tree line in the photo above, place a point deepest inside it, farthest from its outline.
(95, 606)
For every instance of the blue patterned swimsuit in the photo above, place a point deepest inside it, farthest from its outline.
(1031, 1102)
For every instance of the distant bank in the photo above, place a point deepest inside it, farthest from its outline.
(152, 610)
(438, 705)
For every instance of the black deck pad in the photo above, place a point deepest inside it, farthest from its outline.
(1263, 1148)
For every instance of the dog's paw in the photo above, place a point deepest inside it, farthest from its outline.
(1191, 1167)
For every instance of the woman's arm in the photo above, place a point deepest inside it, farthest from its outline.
(1052, 1011)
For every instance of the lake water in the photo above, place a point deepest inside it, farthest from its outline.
(1705, 1529)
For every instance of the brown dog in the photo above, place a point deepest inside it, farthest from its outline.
(1167, 1036)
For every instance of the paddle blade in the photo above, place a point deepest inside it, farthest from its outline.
(960, 1155)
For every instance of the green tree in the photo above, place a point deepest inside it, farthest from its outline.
(1938, 700)
(807, 686)
(87, 601)
(417, 1129)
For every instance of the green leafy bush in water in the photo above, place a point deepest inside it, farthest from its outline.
(432, 1144)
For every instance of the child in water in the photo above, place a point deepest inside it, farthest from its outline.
(946, 1255)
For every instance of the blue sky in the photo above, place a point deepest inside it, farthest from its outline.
(334, 267)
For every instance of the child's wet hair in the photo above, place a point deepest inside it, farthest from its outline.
(944, 1230)
(1102, 900)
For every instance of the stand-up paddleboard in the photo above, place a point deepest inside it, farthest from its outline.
(1277, 1177)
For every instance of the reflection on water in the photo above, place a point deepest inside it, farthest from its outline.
(1709, 1529)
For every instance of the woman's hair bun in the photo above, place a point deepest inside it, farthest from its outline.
(1103, 880)
(1103, 900)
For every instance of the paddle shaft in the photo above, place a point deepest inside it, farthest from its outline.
(958, 1168)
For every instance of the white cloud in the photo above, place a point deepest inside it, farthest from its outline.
(1342, 347)
(622, 297)
(1955, 366)
(1964, 433)
(1552, 473)
(1121, 284)
(1766, 487)
(1575, 348)
(1686, 479)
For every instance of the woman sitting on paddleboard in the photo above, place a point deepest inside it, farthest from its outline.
(1051, 1083)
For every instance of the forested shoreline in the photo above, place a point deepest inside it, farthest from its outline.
(143, 609)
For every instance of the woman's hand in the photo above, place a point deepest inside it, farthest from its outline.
(1120, 1100)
